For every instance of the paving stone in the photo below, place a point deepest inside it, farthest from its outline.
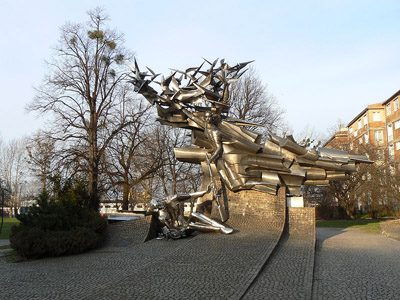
(352, 264)
(288, 273)
(210, 266)
(205, 266)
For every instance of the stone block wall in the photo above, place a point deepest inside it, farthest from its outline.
(253, 203)
(128, 232)
(301, 220)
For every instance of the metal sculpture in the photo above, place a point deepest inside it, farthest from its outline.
(171, 216)
(198, 100)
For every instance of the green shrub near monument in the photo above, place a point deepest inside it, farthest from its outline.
(59, 225)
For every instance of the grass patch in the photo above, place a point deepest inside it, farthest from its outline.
(8, 223)
(369, 226)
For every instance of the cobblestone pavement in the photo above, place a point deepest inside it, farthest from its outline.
(351, 264)
(210, 266)
(289, 271)
(206, 266)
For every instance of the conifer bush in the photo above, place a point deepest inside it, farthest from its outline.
(60, 224)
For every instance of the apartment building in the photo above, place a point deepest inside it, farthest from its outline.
(375, 131)
(369, 126)
(378, 125)
(392, 116)
(340, 140)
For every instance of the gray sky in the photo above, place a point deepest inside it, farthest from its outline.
(323, 60)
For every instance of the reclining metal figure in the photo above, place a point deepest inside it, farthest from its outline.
(198, 100)
(171, 215)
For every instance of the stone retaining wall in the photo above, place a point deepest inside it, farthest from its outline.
(301, 219)
(391, 229)
(253, 203)
(127, 232)
(288, 273)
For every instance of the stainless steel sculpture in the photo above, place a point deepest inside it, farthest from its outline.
(197, 100)
(171, 216)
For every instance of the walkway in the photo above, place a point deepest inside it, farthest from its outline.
(206, 266)
(349, 264)
(289, 271)
(352, 264)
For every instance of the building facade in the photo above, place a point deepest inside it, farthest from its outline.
(377, 127)
(392, 118)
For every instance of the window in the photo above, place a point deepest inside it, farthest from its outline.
(351, 130)
(359, 124)
(391, 150)
(390, 132)
(397, 145)
(366, 138)
(388, 109)
(378, 136)
(396, 104)
(376, 116)
(365, 120)
(355, 132)
(351, 146)
(397, 124)
(360, 140)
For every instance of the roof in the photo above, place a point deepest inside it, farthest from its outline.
(391, 97)
(371, 106)
(337, 134)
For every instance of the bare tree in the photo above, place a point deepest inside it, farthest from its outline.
(133, 156)
(339, 124)
(250, 101)
(176, 176)
(309, 137)
(373, 188)
(41, 152)
(83, 93)
(14, 170)
(378, 184)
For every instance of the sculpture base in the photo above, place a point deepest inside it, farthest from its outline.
(254, 203)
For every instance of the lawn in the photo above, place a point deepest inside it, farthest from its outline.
(8, 223)
(368, 225)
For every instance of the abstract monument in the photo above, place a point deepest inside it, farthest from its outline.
(226, 148)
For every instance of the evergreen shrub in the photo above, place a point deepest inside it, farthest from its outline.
(61, 224)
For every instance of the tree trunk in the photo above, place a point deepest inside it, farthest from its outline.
(125, 197)
(93, 163)
(43, 181)
(349, 212)
(93, 187)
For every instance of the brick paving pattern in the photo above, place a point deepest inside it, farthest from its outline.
(205, 266)
(351, 264)
(210, 266)
(288, 273)
(76, 277)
